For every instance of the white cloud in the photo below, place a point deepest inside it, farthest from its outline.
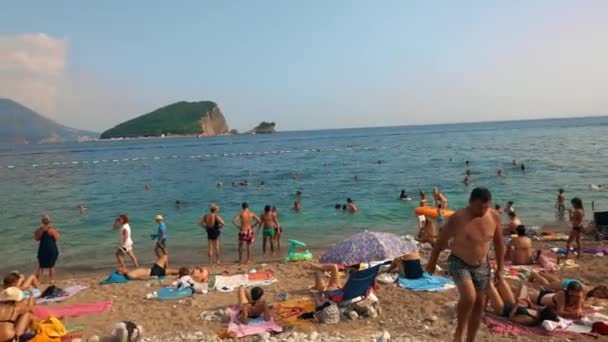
(32, 68)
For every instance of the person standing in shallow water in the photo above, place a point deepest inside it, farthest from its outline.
(268, 225)
(473, 229)
(245, 221)
(576, 214)
(213, 224)
(278, 229)
(48, 252)
(559, 203)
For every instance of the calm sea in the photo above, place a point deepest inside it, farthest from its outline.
(109, 177)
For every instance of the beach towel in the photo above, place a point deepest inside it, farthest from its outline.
(230, 283)
(266, 275)
(502, 326)
(67, 293)
(428, 283)
(555, 237)
(115, 278)
(255, 326)
(171, 293)
(287, 312)
(73, 310)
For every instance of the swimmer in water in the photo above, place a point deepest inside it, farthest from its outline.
(499, 173)
(147, 187)
(344, 207)
(595, 187)
(466, 163)
(338, 208)
(514, 162)
(423, 201)
(297, 207)
(467, 172)
(244, 183)
(233, 184)
(82, 209)
(219, 184)
(262, 185)
(523, 167)
(356, 179)
(352, 207)
(178, 204)
(404, 197)
(466, 180)
(295, 175)
(298, 193)
(439, 198)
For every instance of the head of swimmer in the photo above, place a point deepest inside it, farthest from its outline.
(480, 201)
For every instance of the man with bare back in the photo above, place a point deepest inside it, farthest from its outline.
(245, 228)
(473, 229)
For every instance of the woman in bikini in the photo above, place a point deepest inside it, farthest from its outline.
(15, 314)
(213, 224)
(577, 214)
(335, 283)
(423, 200)
(568, 302)
(518, 310)
(551, 282)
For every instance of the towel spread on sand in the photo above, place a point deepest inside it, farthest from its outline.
(254, 327)
(287, 312)
(69, 292)
(73, 310)
(230, 283)
(428, 282)
(502, 326)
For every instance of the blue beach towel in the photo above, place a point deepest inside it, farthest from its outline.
(171, 293)
(115, 278)
(428, 282)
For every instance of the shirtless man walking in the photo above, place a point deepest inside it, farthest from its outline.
(473, 230)
(245, 228)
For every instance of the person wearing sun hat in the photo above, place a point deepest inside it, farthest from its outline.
(15, 314)
(161, 237)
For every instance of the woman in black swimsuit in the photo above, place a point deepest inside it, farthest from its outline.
(504, 304)
(213, 224)
(47, 248)
(15, 314)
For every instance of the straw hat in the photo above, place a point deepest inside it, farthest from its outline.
(11, 294)
(158, 218)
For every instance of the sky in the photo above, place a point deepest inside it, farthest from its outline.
(312, 64)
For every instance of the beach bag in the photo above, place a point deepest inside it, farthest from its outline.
(600, 328)
(329, 314)
(412, 266)
(49, 330)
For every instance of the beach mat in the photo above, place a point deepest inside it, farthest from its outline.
(230, 283)
(255, 326)
(428, 282)
(502, 326)
(69, 292)
(73, 310)
(286, 313)
(171, 293)
(118, 278)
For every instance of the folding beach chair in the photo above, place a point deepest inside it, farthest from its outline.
(357, 287)
(600, 220)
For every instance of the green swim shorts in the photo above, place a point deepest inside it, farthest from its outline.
(268, 232)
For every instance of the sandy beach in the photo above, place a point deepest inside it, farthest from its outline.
(406, 315)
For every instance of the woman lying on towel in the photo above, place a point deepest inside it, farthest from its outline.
(159, 269)
(551, 282)
(567, 303)
(517, 310)
(252, 305)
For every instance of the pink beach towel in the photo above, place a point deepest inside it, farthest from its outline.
(73, 310)
(254, 327)
(502, 326)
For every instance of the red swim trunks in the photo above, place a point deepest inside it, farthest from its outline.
(246, 236)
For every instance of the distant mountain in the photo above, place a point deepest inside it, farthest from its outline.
(181, 118)
(19, 124)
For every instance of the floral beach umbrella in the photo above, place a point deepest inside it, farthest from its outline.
(367, 247)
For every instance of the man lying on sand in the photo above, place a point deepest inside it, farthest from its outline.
(520, 250)
(518, 309)
(159, 269)
(252, 305)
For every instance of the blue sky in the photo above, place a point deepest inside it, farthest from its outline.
(309, 64)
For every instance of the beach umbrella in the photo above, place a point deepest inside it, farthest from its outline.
(367, 247)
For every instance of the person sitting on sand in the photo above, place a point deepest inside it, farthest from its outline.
(352, 207)
(520, 250)
(15, 279)
(15, 313)
(423, 200)
(428, 232)
(159, 269)
(519, 310)
(576, 214)
(196, 278)
(404, 197)
(321, 285)
(439, 198)
(551, 282)
(252, 305)
(514, 222)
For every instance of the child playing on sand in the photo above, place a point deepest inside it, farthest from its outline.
(48, 252)
(577, 214)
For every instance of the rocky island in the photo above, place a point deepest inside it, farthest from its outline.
(181, 118)
(264, 128)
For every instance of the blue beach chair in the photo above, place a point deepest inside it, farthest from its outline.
(357, 287)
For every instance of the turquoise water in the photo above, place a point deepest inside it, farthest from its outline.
(110, 176)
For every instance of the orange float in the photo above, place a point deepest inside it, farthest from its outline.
(432, 212)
